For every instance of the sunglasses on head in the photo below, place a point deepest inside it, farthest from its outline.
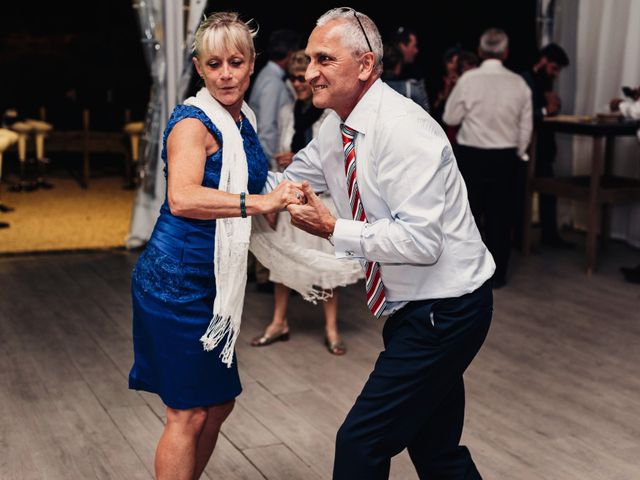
(355, 14)
(297, 78)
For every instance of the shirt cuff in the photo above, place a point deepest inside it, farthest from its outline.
(524, 156)
(346, 237)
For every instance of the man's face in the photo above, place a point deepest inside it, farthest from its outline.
(410, 50)
(336, 77)
(552, 69)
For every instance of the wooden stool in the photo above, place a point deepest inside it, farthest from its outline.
(22, 129)
(40, 130)
(134, 130)
(7, 138)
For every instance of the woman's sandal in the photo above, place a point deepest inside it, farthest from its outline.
(335, 348)
(264, 340)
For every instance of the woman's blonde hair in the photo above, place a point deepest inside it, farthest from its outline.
(224, 32)
(298, 61)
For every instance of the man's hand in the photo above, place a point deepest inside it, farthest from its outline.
(553, 103)
(314, 217)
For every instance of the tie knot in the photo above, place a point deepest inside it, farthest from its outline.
(348, 134)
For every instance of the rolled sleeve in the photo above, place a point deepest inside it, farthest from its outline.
(455, 108)
(347, 236)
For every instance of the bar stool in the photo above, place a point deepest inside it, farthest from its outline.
(134, 131)
(40, 130)
(23, 129)
(7, 138)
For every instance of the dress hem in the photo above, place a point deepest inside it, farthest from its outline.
(138, 385)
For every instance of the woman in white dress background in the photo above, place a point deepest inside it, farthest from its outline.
(298, 124)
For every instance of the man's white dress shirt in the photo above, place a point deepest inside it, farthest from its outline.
(494, 108)
(419, 225)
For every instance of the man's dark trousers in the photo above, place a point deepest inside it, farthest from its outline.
(490, 176)
(414, 398)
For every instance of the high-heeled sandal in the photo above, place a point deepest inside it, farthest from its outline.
(264, 340)
(335, 348)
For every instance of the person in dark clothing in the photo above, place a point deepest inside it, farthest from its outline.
(551, 60)
(406, 41)
(410, 88)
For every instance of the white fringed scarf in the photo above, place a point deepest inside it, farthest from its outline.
(234, 237)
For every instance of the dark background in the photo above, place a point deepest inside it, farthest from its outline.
(49, 49)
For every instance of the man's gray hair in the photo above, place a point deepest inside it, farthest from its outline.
(494, 42)
(355, 37)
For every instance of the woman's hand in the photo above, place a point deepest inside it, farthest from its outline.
(285, 194)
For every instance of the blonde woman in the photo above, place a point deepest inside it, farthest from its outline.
(175, 284)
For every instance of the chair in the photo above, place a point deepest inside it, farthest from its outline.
(7, 138)
(134, 130)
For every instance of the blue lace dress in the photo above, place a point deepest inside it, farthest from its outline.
(173, 288)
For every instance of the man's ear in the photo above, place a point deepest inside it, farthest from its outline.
(367, 66)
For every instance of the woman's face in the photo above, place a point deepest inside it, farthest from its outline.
(226, 76)
(452, 63)
(300, 85)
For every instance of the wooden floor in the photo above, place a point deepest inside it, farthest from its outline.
(553, 394)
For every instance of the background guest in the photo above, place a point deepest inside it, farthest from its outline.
(492, 105)
(298, 124)
(546, 103)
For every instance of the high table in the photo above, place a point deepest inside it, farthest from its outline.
(598, 189)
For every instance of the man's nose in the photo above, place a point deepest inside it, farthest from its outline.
(311, 73)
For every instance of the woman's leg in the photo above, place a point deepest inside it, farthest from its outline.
(216, 414)
(281, 299)
(176, 451)
(278, 329)
(331, 317)
(332, 338)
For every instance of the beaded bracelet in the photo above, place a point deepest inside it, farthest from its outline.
(243, 206)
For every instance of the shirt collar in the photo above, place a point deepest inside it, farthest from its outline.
(491, 63)
(359, 117)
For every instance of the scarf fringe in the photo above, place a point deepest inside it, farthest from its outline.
(219, 328)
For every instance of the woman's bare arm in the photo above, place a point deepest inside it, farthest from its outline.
(188, 145)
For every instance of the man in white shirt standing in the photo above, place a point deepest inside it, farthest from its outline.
(492, 105)
(403, 211)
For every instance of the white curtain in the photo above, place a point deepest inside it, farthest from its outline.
(162, 25)
(607, 57)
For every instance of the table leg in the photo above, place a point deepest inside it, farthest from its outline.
(605, 222)
(528, 199)
(597, 161)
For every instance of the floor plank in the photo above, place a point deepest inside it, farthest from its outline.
(554, 392)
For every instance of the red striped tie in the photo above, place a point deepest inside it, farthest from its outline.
(376, 300)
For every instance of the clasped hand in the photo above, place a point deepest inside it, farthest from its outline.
(285, 194)
(312, 216)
